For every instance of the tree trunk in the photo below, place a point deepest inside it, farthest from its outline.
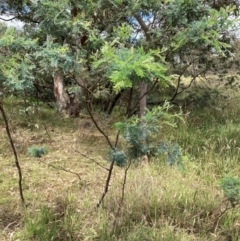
(67, 106)
(143, 100)
(143, 91)
(143, 88)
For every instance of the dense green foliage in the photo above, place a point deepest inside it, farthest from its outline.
(114, 45)
(142, 135)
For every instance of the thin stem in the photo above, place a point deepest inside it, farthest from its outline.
(61, 168)
(90, 159)
(14, 153)
(122, 197)
(106, 185)
(109, 143)
(10, 19)
(95, 122)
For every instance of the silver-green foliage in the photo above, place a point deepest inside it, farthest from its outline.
(37, 151)
(17, 65)
(145, 136)
(231, 188)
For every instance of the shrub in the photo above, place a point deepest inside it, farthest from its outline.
(37, 151)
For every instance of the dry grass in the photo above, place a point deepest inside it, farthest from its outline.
(161, 203)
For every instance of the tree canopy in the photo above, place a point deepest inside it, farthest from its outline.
(104, 48)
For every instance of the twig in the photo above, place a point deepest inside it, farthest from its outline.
(93, 119)
(14, 153)
(216, 223)
(117, 139)
(91, 159)
(60, 168)
(109, 143)
(112, 163)
(10, 19)
(45, 127)
(106, 185)
(122, 197)
(46, 130)
(10, 224)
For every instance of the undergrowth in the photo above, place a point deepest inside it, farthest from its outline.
(161, 202)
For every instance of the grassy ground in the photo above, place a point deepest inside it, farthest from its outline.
(161, 203)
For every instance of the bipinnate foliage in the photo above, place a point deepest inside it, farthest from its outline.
(231, 188)
(17, 65)
(126, 67)
(37, 151)
(145, 137)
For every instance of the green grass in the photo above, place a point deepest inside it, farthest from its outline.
(161, 202)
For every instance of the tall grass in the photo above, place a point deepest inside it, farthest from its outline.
(161, 202)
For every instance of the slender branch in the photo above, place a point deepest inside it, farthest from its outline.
(178, 83)
(46, 130)
(96, 83)
(95, 122)
(203, 80)
(144, 27)
(14, 153)
(83, 86)
(179, 79)
(110, 144)
(117, 139)
(9, 225)
(106, 185)
(60, 168)
(216, 223)
(114, 102)
(21, 16)
(10, 19)
(179, 92)
(91, 159)
(177, 88)
(108, 141)
(87, 101)
(153, 20)
(122, 197)
(125, 181)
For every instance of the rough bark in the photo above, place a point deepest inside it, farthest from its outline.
(67, 106)
(143, 100)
